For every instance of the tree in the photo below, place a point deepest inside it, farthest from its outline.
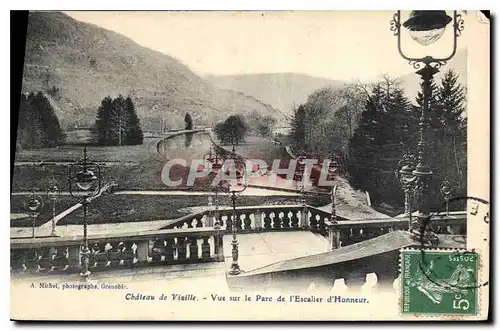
(450, 130)
(38, 124)
(233, 130)
(389, 127)
(298, 132)
(259, 124)
(189, 121)
(134, 135)
(117, 123)
(380, 140)
(103, 125)
(327, 120)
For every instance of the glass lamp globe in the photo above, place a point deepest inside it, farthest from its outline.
(427, 26)
(85, 179)
(33, 204)
(406, 173)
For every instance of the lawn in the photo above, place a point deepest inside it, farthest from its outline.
(136, 208)
(261, 149)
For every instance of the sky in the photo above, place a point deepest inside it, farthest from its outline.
(344, 45)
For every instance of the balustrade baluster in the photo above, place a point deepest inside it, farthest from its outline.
(60, 259)
(193, 249)
(219, 247)
(286, 219)
(313, 222)
(101, 256)
(128, 255)
(276, 219)
(304, 218)
(46, 256)
(158, 250)
(74, 257)
(32, 260)
(247, 221)
(114, 254)
(257, 219)
(345, 237)
(238, 221)
(142, 252)
(168, 250)
(295, 219)
(355, 281)
(181, 248)
(205, 249)
(18, 259)
(267, 220)
(322, 226)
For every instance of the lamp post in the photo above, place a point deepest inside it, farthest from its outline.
(333, 167)
(33, 204)
(216, 164)
(408, 180)
(425, 27)
(299, 175)
(53, 192)
(240, 185)
(446, 192)
(89, 186)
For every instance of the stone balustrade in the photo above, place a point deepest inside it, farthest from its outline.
(149, 248)
(344, 233)
(248, 219)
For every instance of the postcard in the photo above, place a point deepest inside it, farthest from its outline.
(251, 166)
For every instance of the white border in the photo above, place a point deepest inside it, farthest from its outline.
(172, 5)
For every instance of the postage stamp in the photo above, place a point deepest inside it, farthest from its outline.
(439, 282)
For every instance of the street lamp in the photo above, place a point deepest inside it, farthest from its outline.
(299, 175)
(408, 180)
(239, 186)
(446, 192)
(33, 204)
(88, 187)
(53, 193)
(216, 165)
(333, 167)
(425, 27)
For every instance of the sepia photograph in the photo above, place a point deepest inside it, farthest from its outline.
(272, 165)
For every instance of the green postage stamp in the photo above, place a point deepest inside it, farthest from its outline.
(439, 282)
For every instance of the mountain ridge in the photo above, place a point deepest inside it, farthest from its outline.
(87, 63)
(296, 86)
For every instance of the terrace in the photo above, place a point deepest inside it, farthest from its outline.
(277, 245)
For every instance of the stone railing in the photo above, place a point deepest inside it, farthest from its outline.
(150, 248)
(344, 233)
(258, 219)
(351, 265)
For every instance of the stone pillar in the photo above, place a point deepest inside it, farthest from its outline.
(142, 252)
(219, 247)
(333, 237)
(304, 215)
(210, 219)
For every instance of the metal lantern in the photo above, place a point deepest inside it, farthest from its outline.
(33, 205)
(427, 26)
